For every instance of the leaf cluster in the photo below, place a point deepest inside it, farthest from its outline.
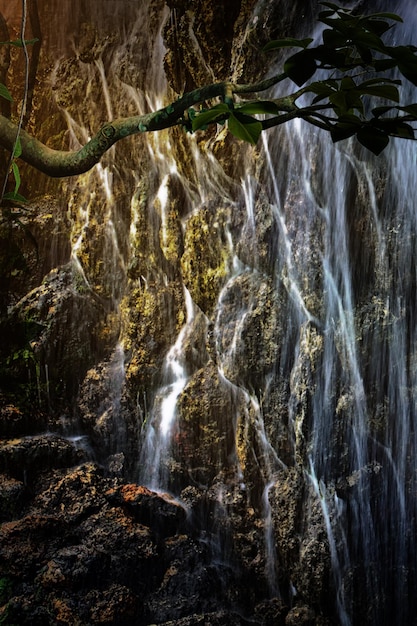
(14, 168)
(356, 94)
(239, 123)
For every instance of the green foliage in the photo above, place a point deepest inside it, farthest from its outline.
(17, 151)
(244, 127)
(217, 113)
(342, 83)
(18, 43)
(261, 107)
(351, 47)
(349, 101)
(5, 93)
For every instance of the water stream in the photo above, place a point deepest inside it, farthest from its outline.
(362, 411)
(310, 337)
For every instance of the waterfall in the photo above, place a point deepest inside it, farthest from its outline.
(347, 231)
(155, 454)
(313, 322)
(253, 314)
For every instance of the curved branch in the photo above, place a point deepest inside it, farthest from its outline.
(60, 163)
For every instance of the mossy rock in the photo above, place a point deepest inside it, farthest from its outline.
(249, 329)
(205, 437)
(205, 260)
(152, 317)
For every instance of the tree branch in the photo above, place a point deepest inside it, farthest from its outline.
(60, 163)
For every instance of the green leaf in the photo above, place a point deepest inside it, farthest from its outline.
(339, 102)
(347, 83)
(17, 149)
(330, 5)
(331, 58)
(261, 107)
(324, 88)
(300, 67)
(5, 93)
(324, 14)
(388, 92)
(411, 109)
(363, 38)
(347, 126)
(403, 130)
(395, 127)
(379, 81)
(16, 174)
(378, 111)
(333, 39)
(389, 16)
(244, 127)
(373, 139)
(212, 115)
(406, 60)
(382, 65)
(11, 195)
(365, 54)
(409, 71)
(18, 43)
(379, 27)
(287, 43)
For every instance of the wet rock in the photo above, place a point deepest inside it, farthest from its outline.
(159, 511)
(205, 436)
(120, 550)
(88, 548)
(74, 494)
(196, 346)
(12, 498)
(27, 457)
(286, 499)
(115, 605)
(28, 543)
(301, 616)
(191, 583)
(205, 260)
(153, 314)
(106, 416)
(271, 612)
(248, 329)
(16, 421)
(303, 383)
(33, 240)
(59, 329)
(85, 559)
(199, 40)
(258, 242)
(218, 618)
(301, 538)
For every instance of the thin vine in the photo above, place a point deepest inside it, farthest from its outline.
(16, 149)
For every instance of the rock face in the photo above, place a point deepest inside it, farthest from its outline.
(206, 365)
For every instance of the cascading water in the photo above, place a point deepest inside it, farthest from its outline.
(155, 453)
(339, 247)
(263, 355)
(352, 239)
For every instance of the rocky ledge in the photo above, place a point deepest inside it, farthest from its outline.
(82, 547)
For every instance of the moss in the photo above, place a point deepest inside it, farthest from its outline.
(152, 314)
(204, 263)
